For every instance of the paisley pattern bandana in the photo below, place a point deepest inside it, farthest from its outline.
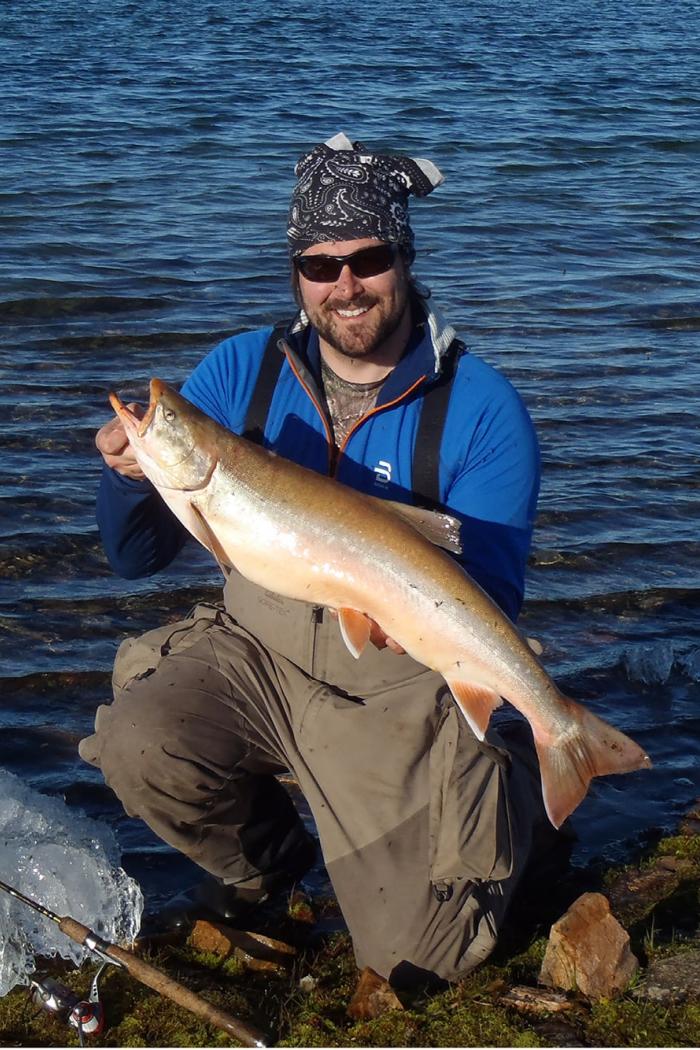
(345, 192)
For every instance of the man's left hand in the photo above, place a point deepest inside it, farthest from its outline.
(377, 636)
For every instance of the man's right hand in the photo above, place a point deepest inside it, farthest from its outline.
(112, 442)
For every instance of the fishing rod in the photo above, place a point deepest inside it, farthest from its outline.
(145, 973)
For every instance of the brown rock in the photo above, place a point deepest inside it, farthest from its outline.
(588, 951)
(373, 996)
(210, 937)
(255, 950)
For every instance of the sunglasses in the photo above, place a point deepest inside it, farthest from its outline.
(368, 262)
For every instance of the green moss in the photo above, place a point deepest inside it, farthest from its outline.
(687, 846)
(525, 966)
(623, 1022)
(231, 965)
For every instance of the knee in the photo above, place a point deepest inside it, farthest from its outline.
(164, 743)
(127, 746)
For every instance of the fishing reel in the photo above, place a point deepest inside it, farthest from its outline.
(87, 1015)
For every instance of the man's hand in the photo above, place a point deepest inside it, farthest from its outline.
(377, 637)
(382, 641)
(112, 442)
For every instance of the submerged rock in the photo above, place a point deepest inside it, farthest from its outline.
(589, 951)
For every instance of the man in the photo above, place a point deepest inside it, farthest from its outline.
(425, 832)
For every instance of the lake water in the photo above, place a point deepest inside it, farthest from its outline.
(146, 163)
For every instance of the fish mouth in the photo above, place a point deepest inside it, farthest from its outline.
(129, 418)
(156, 389)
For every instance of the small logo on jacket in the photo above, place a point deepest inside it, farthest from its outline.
(382, 472)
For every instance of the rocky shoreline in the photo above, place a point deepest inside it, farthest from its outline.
(595, 958)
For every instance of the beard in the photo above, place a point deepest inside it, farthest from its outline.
(358, 337)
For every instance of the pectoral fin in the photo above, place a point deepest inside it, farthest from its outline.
(355, 629)
(476, 702)
(207, 538)
(441, 529)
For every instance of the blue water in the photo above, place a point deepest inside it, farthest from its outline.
(146, 163)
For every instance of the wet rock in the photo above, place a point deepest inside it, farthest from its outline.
(675, 979)
(588, 951)
(373, 996)
(635, 892)
(690, 825)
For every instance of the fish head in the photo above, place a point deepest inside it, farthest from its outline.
(171, 442)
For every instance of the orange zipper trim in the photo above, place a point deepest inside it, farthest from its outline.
(333, 468)
(329, 434)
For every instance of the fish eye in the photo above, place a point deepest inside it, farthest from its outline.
(168, 415)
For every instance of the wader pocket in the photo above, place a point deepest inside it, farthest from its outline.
(470, 824)
(139, 657)
(284, 625)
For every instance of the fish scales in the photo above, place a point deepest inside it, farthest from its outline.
(308, 537)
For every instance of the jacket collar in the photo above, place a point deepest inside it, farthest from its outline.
(430, 338)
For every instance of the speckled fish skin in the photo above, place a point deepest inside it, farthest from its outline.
(308, 537)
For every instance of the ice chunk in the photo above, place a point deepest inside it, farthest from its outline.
(67, 862)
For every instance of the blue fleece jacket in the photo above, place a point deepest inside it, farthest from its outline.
(489, 460)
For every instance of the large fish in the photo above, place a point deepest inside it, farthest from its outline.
(306, 536)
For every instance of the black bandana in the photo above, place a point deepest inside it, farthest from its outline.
(345, 192)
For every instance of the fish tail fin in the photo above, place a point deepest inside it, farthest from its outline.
(588, 748)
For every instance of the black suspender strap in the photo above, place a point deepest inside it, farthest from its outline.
(270, 368)
(426, 453)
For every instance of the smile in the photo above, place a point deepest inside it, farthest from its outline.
(357, 312)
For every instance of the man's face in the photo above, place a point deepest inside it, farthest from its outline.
(355, 315)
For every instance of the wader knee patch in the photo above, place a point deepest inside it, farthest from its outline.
(139, 657)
